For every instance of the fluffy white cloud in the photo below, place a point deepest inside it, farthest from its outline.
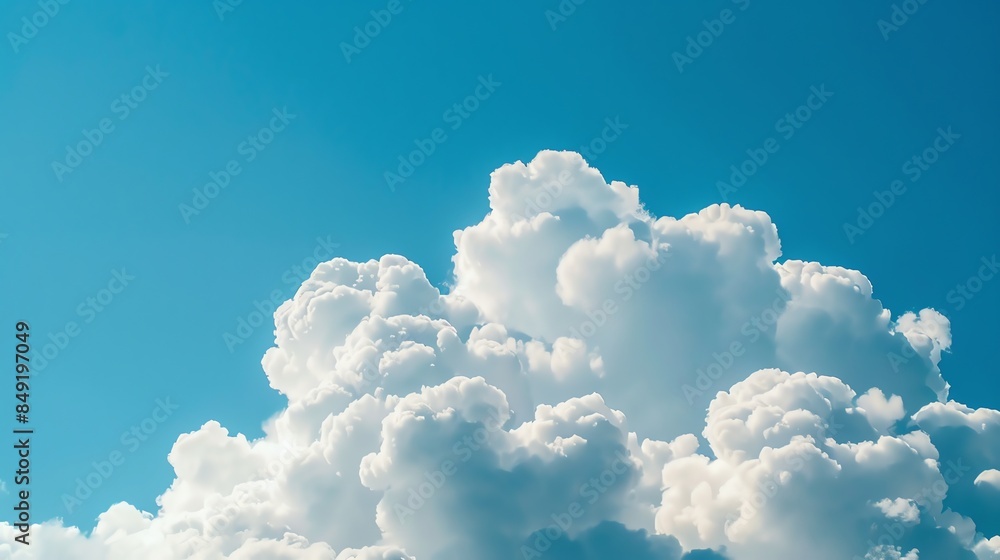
(780, 445)
(990, 478)
(988, 549)
(599, 383)
(882, 412)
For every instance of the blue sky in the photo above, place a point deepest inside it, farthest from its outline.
(211, 81)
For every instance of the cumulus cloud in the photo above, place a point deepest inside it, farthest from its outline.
(598, 383)
(990, 478)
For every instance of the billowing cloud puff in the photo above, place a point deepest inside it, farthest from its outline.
(598, 383)
(797, 443)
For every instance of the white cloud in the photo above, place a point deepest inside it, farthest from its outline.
(989, 477)
(599, 383)
(882, 412)
(905, 511)
(988, 549)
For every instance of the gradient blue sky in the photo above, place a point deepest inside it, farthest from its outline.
(324, 174)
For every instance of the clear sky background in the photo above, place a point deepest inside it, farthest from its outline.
(323, 175)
